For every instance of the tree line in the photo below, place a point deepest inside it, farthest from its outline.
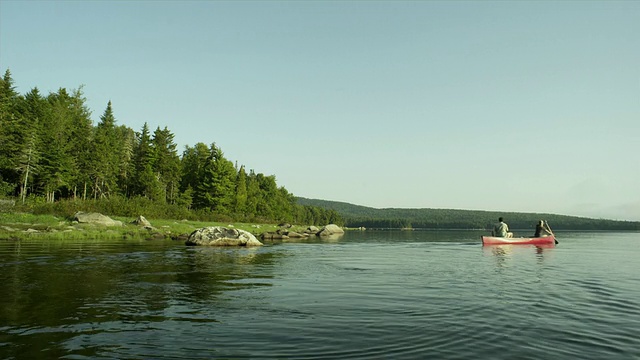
(393, 218)
(51, 153)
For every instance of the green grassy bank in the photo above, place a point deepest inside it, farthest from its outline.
(18, 226)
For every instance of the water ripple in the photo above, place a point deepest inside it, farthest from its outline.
(403, 297)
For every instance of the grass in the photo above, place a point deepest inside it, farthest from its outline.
(18, 226)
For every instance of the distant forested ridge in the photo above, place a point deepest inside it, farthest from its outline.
(53, 158)
(357, 216)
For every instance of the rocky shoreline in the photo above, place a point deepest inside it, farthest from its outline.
(96, 225)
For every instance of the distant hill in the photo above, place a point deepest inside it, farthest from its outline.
(357, 216)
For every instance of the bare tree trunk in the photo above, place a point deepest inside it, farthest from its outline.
(24, 186)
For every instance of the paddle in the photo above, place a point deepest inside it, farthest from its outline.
(546, 224)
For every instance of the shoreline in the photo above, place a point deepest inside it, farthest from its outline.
(22, 226)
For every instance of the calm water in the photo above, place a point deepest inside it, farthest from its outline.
(395, 295)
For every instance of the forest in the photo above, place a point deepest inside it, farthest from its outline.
(355, 216)
(53, 159)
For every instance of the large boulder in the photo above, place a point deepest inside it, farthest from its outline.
(95, 218)
(221, 236)
(331, 229)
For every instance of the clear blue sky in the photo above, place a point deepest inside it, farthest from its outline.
(507, 106)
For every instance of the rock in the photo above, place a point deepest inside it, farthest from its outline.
(95, 218)
(293, 234)
(179, 237)
(141, 221)
(157, 236)
(312, 230)
(331, 229)
(221, 236)
(268, 235)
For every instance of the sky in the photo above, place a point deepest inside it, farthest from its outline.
(514, 106)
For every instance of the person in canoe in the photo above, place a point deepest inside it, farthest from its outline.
(541, 230)
(501, 229)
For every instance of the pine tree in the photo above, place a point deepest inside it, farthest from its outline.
(106, 154)
(12, 137)
(34, 111)
(216, 189)
(80, 143)
(166, 163)
(125, 166)
(185, 198)
(56, 166)
(192, 162)
(253, 195)
(28, 164)
(146, 184)
(241, 192)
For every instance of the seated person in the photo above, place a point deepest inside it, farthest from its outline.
(501, 229)
(541, 230)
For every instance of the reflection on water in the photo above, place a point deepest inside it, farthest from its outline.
(308, 240)
(400, 295)
(50, 292)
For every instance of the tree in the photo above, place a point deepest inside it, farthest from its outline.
(106, 155)
(27, 164)
(56, 166)
(34, 110)
(125, 162)
(12, 130)
(166, 164)
(80, 143)
(192, 163)
(145, 182)
(240, 204)
(253, 194)
(216, 189)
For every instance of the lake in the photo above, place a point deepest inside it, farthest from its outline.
(366, 295)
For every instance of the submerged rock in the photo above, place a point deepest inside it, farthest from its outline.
(221, 236)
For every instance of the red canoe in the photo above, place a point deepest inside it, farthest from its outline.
(492, 240)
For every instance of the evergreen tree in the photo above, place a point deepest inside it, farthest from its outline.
(34, 110)
(12, 137)
(267, 196)
(80, 144)
(56, 166)
(241, 192)
(166, 163)
(146, 184)
(253, 195)
(185, 198)
(28, 164)
(192, 164)
(125, 166)
(284, 205)
(216, 190)
(106, 155)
